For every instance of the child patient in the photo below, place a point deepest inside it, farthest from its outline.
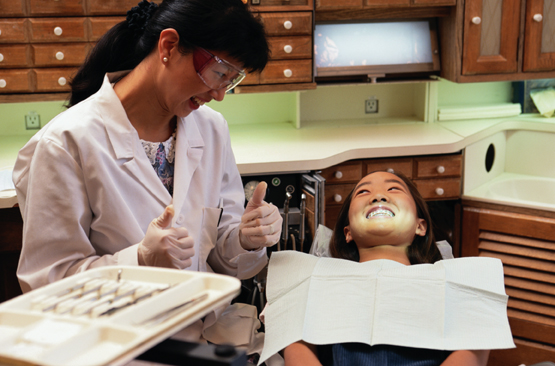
(384, 217)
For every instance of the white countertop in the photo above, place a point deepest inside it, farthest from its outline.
(274, 148)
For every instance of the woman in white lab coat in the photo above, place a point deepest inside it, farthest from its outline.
(137, 171)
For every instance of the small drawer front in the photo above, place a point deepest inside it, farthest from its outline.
(15, 81)
(263, 3)
(60, 54)
(284, 24)
(439, 189)
(251, 79)
(278, 72)
(56, 7)
(12, 8)
(434, 2)
(444, 166)
(101, 25)
(344, 173)
(336, 193)
(58, 30)
(403, 166)
(113, 7)
(14, 56)
(389, 3)
(54, 80)
(332, 213)
(13, 31)
(334, 4)
(290, 47)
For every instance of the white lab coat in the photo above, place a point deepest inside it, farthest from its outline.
(87, 193)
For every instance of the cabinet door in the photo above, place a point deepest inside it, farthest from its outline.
(539, 39)
(491, 30)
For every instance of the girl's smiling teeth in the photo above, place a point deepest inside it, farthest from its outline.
(380, 212)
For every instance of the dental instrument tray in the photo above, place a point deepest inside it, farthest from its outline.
(108, 315)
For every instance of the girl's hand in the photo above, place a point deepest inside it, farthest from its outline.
(261, 223)
(301, 354)
(467, 358)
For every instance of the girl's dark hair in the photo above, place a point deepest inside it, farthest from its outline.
(217, 25)
(422, 250)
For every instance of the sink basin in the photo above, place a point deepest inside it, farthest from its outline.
(518, 190)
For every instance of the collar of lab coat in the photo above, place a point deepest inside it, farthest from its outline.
(126, 143)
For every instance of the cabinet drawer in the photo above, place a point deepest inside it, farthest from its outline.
(14, 56)
(344, 173)
(60, 54)
(284, 3)
(58, 30)
(297, 71)
(54, 80)
(101, 25)
(251, 79)
(56, 7)
(336, 194)
(283, 24)
(12, 31)
(435, 2)
(388, 3)
(334, 4)
(12, 8)
(113, 7)
(332, 213)
(290, 47)
(438, 166)
(403, 166)
(439, 189)
(15, 81)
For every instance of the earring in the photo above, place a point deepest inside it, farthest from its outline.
(165, 59)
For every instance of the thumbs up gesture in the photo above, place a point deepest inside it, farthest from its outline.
(261, 223)
(165, 246)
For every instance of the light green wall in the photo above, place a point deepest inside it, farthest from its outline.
(453, 94)
(12, 116)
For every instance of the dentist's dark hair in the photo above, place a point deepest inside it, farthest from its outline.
(216, 25)
(423, 248)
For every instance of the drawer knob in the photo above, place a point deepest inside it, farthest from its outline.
(288, 73)
(62, 81)
(1, 57)
(538, 17)
(441, 169)
(287, 24)
(337, 198)
(390, 170)
(338, 174)
(288, 49)
(0, 32)
(3, 83)
(59, 55)
(58, 31)
(476, 20)
(440, 191)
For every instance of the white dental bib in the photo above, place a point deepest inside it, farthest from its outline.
(449, 305)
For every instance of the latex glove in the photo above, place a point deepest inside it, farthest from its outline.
(261, 223)
(165, 246)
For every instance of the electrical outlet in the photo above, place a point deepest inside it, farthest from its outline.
(371, 105)
(32, 121)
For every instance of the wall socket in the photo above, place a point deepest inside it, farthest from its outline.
(32, 121)
(371, 105)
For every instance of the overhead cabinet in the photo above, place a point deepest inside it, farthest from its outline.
(501, 40)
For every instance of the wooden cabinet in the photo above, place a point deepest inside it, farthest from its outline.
(501, 40)
(524, 240)
(290, 39)
(437, 177)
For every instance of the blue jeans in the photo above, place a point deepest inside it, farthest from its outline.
(359, 354)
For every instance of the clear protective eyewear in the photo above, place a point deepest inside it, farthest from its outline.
(215, 72)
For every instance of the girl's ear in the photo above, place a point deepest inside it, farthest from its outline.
(168, 43)
(421, 227)
(347, 232)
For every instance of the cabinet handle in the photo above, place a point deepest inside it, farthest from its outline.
(390, 170)
(476, 20)
(0, 32)
(288, 49)
(59, 55)
(1, 57)
(538, 17)
(441, 169)
(58, 31)
(3, 83)
(62, 81)
(287, 24)
(338, 174)
(288, 73)
(440, 191)
(337, 198)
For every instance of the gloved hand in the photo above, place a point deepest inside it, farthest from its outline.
(261, 223)
(165, 246)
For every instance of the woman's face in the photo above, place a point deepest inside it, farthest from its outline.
(383, 212)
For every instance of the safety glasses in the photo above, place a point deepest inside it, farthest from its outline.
(215, 72)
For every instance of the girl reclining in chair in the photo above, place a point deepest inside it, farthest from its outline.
(384, 218)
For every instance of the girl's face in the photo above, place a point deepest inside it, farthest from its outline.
(383, 212)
